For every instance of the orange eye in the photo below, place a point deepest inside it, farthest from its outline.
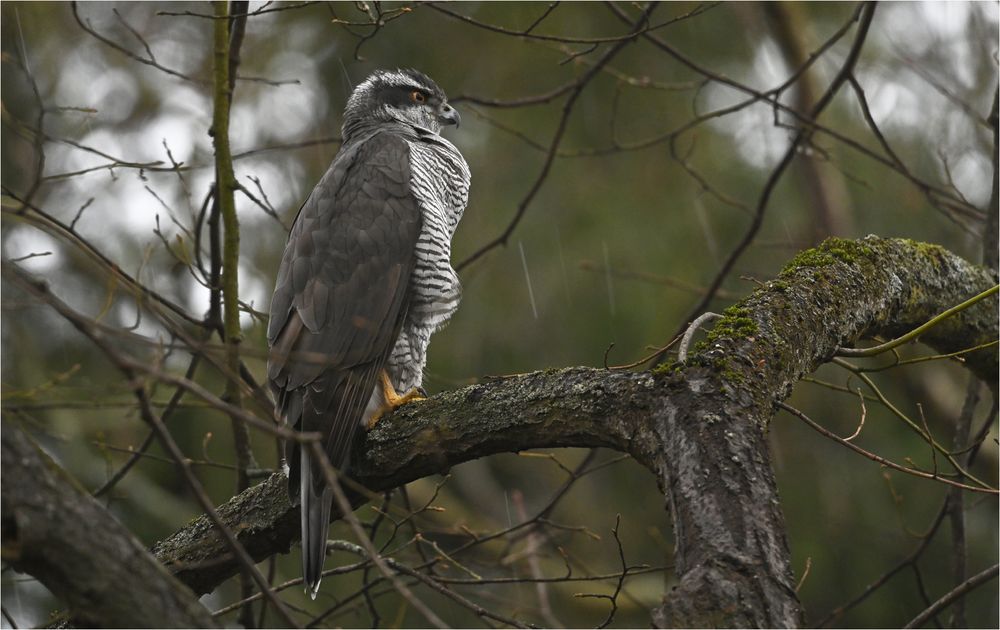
(417, 96)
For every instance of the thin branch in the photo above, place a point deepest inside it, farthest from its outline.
(527, 34)
(956, 511)
(554, 145)
(237, 14)
(861, 422)
(116, 46)
(865, 20)
(957, 355)
(344, 505)
(433, 583)
(30, 256)
(545, 14)
(916, 332)
(39, 132)
(162, 433)
(909, 422)
(957, 593)
(692, 328)
(137, 454)
(879, 459)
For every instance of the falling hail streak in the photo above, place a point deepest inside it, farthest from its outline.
(531, 294)
(706, 228)
(562, 265)
(607, 278)
(347, 78)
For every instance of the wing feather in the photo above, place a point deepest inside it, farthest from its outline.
(341, 293)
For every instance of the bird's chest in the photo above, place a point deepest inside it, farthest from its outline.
(440, 183)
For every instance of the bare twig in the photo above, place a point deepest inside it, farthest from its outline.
(805, 574)
(910, 423)
(861, 423)
(430, 582)
(237, 14)
(30, 256)
(148, 441)
(881, 460)
(556, 139)
(956, 511)
(865, 20)
(957, 593)
(39, 131)
(527, 34)
(344, 505)
(128, 53)
(162, 433)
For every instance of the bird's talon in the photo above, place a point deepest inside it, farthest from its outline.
(370, 424)
(393, 400)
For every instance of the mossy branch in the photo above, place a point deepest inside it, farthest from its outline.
(709, 413)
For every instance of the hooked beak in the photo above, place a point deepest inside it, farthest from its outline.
(448, 115)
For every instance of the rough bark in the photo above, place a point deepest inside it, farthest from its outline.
(700, 427)
(54, 530)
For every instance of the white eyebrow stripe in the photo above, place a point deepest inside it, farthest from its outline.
(395, 78)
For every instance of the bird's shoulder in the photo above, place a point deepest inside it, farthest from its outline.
(359, 224)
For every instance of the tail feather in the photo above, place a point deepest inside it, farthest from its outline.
(315, 524)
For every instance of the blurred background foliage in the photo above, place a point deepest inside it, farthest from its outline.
(615, 249)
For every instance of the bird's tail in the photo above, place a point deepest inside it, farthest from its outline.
(315, 524)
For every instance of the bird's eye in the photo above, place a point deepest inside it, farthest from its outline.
(417, 96)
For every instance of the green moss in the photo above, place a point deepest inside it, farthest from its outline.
(830, 251)
(730, 375)
(929, 251)
(736, 323)
(667, 367)
(926, 249)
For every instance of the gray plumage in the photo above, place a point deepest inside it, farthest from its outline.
(365, 279)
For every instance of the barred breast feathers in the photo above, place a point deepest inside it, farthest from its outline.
(440, 182)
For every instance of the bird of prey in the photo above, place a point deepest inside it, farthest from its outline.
(364, 281)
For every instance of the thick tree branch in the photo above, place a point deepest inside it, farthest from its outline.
(54, 530)
(700, 427)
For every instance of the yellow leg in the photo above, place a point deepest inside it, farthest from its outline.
(392, 398)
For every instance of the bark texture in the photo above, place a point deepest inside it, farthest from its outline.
(54, 530)
(700, 427)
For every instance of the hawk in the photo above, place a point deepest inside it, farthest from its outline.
(364, 281)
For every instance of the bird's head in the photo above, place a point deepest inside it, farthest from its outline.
(404, 96)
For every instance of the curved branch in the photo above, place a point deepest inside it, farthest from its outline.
(700, 427)
(954, 595)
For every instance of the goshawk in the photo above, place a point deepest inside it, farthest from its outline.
(365, 280)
